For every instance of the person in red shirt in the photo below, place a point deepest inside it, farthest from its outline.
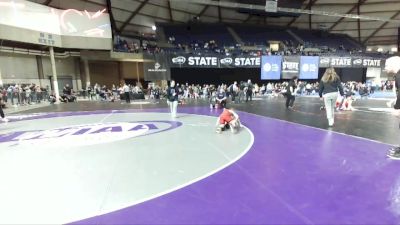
(228, 119)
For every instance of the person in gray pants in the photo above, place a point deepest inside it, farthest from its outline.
(328, 90)
(392, 66)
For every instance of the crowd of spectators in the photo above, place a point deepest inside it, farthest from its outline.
(238, 92)
(23, 94)
(122, 45)
(286, 48)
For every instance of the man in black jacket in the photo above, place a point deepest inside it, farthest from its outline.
(1, 110)
(393, 67)
(291, 92)
(249, 91)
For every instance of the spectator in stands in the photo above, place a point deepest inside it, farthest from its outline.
(270, 88)
(89, 90)
(114, 91)
(241, 94)
(97, 91)
(52, 98)
(10, 93)
(39, 95)
(3, 93)
(328, 90)
(308, 89)
(213, 97)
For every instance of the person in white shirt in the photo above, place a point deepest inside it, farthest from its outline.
(125, 88)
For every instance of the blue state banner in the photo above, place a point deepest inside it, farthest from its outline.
(271, 67)
(309, 66)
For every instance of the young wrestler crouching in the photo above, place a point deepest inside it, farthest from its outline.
(228, 119)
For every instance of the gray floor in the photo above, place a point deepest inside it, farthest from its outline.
(372, 119)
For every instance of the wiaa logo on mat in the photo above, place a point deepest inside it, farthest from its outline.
(83, 135)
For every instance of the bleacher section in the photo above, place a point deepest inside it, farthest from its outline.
(258, 35)
(325, 39)
(199, 33)
(236, 39)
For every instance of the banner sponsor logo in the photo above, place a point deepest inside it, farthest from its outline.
(157, 68)
(357, 62)
(290, 67)
(226, 61)
(179, 60)
(325, 60)
(309, 68)
(271, 67)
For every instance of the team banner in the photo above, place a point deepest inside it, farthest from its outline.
(271, 67)
(290, 66)
(240, 61)
(367, 62)
(309, 66)
(350, 62)
(214, 61)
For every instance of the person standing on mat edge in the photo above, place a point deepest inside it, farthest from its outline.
(126, 90)
(1, 109)
(290, 92)
(172, 95)
(393, 67)
(249, 91)
(221, 98)
(328, 91)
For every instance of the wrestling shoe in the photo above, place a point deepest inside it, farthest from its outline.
(395, 149)
(394, 153)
